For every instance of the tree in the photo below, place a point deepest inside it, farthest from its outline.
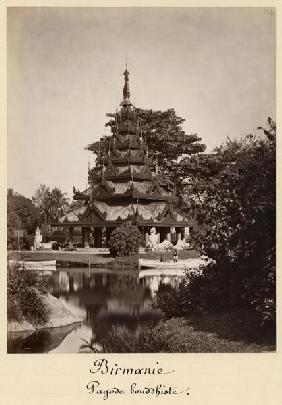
(59, 203)
(236, 204)
(125, 240)
(232, 196)
(21, 214)
(166, 140)
(52, 203)
(41, 199)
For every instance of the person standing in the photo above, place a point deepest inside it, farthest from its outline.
(175, 256)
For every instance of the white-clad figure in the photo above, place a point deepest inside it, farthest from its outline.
(37, 238)
(153, 239)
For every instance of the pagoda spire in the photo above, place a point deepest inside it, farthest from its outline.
(126, 92)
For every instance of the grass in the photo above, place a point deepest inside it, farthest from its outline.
(77, 258)
(71, 257)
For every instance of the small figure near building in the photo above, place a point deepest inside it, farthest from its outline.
(37, 239)
(153, 239)
(175, 256)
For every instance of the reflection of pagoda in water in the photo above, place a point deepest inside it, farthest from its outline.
(105, 299)
(126, 188)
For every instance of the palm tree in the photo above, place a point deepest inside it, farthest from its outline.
(59, 202)
(51, 203)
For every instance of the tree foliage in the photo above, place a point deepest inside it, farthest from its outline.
(125, 240)
(21, 214)
(232, 196)
(236, 206)
(51, 203)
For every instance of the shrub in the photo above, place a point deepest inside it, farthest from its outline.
(236, 223)
(170, 300)
(119, 339)
(25, 290)
(260, 290)
(125, 240)
(221, 287)
(175, 335)
(200, 292)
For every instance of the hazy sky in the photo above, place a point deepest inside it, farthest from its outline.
(215, 67)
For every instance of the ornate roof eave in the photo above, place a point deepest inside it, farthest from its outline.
(140, 197)
(104, 190)
(127, 159)
(132, 143)
(111, 171)
(115, 223)
(133, 192)
(123, 176)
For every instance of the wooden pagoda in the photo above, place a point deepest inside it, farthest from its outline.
(125, 189)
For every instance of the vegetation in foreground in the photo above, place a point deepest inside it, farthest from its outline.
(232, 195)
(24, 300)
(175, 335)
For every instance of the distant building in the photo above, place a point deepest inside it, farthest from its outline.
(125, 189)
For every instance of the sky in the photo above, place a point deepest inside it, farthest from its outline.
(214, 66)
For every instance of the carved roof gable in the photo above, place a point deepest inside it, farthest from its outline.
(167, 214)
(93, 214)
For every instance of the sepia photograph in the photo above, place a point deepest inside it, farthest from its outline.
(141, 190)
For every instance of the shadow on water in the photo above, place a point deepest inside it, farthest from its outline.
(103, 298)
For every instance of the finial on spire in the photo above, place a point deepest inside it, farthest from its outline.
(126, 92)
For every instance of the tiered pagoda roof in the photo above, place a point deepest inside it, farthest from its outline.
(126, 188)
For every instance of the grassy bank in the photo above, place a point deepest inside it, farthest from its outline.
(84, 258)
(66, 257)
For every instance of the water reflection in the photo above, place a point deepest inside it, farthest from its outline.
(102, 298)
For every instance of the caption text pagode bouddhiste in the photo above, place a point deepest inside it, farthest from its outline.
(102, 367)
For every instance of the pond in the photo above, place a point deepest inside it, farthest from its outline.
(103, 298)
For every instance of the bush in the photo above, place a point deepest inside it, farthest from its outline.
(125, 240)
(170, 300)
(200, 292)
(119, 339)
(236, 224)
(175, 335)
(25, 290)
(222, 287)
(260, 290)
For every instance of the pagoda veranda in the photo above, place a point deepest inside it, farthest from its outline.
(123, 187)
